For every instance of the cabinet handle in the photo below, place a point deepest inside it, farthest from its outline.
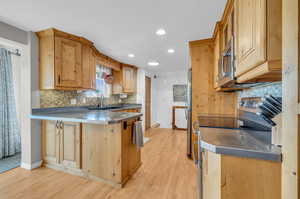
(61, 125)
(56, 125)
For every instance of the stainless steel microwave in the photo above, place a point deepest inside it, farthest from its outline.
(226, 66)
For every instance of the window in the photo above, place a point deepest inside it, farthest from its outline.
(103, 88)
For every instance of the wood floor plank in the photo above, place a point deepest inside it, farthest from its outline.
(166, 173)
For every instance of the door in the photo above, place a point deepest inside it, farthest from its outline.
(70, 144)
(251, 34)
(67, 63)
(147, 102)
(50, 140)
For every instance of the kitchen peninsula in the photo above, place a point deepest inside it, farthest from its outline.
(96, 144)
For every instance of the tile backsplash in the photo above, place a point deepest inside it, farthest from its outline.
(55, 98)
(274, 89)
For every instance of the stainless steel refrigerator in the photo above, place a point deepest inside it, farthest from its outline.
(189, 114)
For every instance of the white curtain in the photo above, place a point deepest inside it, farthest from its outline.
(10, 138)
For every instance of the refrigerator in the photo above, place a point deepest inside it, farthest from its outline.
(189, 113)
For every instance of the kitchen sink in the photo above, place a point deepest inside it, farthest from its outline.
(105, 107)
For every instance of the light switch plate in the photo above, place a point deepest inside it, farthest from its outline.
(73, 101)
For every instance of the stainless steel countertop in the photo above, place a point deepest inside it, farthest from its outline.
(238, 143)
(86, 116)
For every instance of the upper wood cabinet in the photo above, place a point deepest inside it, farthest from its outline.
(68, 63)
(125, 81)
(217, 52)
(258, 40)
(88, 68)
(62, 59)
(129, 79)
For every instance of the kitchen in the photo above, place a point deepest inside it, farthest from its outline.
(87, 122)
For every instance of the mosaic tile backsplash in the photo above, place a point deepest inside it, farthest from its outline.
(55, 98)
(274, 89)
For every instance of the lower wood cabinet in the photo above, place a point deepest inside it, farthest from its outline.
(211, 175)
(108, 153)
(229, 177)
(61, 144)
(70, 145)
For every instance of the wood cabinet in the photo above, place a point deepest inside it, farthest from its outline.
(129, 79)
(131, 159)
(205, 99)
(70, 145)
(50, 142)
(227, 26)
(88, 68)
(108, 153)
(211, 175)
(229, 177)
(258, 40)
(61, 144)
(66, 61)
(125, 81)
(217, 52)
(100, 152)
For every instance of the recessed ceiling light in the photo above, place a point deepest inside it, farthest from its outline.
(131, 55)
(161, 31)
(171, 50)
(153, 63)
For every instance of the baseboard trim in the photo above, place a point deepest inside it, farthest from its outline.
(31, 166)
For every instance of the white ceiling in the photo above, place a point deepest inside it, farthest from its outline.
(119, 27)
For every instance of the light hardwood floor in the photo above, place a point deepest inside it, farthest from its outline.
(166, 173)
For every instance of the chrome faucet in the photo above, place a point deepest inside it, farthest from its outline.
(101, 101)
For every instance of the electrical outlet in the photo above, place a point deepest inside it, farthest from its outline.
(73, 101)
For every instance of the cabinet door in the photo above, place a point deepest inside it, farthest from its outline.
(88, 68)
(70, 145)
(50, 142)
(251, 34)
(211, 175)
(68, 63)
(128, 79)
(216, 59)
(131, 155)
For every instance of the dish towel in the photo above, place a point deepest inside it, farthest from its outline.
(138, 137)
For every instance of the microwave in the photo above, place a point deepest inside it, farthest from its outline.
(226, 66)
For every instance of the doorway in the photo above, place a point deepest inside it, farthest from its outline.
(147, 102)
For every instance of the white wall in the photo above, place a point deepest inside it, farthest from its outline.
(162, 98)
(141, 92)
